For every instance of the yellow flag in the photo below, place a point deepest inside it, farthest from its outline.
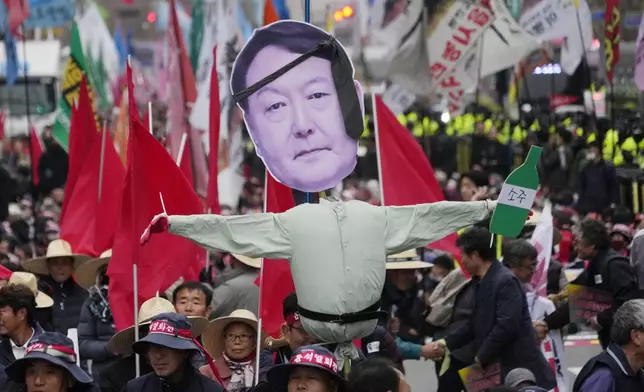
(576, 4)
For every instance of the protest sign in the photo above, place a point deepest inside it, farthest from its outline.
(586, 302)
(476, 379)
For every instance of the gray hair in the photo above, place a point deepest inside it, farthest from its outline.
(628, 317)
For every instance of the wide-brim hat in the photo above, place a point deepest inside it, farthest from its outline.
(86, 272)
(408, 259)
(171, 330)
(249, 261)
(54, 348)
(28, 279)
(213, 337)
(122, 341)
(56, 248)
(278, 376)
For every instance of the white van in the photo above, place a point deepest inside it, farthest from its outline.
(39, 64)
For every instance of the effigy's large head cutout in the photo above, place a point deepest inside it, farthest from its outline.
(302, 107)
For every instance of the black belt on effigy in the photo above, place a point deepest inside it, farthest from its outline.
(373, 312)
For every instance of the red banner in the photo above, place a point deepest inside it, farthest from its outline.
(612, 20)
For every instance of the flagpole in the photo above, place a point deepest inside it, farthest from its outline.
(102, 162)
(150, 117)
(182, 147)
(376, 131)
(135, 271)
(259, 301)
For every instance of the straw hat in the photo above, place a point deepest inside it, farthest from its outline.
(213, 337)
(408, 259)
(86, 272)
(56, 248)
(29, 280)
(122, 341)
(254, 263)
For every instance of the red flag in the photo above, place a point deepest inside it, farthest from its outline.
(612, 36)
(91, 221)
(36, 150)
(18, 11)
(275, 278)
(166, 258)
(82, 134)
(213, 156)
(407, 176)
(184, 89)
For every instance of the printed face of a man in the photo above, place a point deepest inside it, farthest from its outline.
(296, 122)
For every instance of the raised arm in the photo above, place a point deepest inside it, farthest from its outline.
(252, 235)
(416, 226)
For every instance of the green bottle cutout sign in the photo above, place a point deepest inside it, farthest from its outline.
(516, 197)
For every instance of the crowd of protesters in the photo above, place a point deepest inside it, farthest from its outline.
(202, 336)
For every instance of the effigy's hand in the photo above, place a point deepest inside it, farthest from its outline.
(159, 224)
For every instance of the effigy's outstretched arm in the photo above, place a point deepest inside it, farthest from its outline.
(252, 235)
(416, 226)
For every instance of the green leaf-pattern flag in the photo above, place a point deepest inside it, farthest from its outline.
(75, 69)
(196, 32)
(97, 78)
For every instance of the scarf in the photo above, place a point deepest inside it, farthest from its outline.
(242, 374)
(98, 304)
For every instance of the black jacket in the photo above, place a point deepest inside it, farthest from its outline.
(93, 338)
(607, 271)
(501, 327)
(192, 381)
(598, 187)
(118, 373)
(406, 306)
(625, 380)
(69, 298)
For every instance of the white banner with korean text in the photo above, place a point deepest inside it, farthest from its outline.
(502, 45)
(639, 57)
(557, 19)
(397, 98)
(452, 35)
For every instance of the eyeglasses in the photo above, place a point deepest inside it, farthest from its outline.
(230, 337)
(530, 267)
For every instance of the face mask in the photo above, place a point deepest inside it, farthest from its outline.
(591, 156)
(618, 245)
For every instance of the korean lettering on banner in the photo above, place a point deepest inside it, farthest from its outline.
(542, 21)
(466, 25)
(476, 379)
(49, 13)
(453, 91)
(459, 81)
(586, 302)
